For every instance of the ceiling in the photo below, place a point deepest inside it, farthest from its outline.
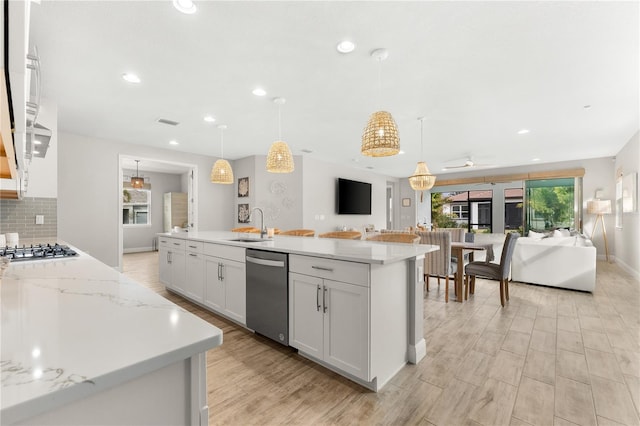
(478, 71)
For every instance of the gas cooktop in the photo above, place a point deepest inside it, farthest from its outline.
(37, 252)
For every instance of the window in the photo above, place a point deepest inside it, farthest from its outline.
(550, 204)
(462, 209)
(513, 217)
(136, 207)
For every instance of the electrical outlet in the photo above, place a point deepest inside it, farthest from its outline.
(39, 219)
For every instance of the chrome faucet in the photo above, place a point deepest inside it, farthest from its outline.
(263, 230)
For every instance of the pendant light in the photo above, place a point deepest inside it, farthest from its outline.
(221, 171)
(279, 158)
(380, 137)
(422, 179)
(137, 182)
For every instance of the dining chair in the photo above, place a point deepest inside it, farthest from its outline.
(492, 271)
(345, 235)
(396, 238)
(299, 232)
(438, 263)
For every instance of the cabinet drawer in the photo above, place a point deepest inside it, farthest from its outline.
(337, 270)
(225, 252)
(194, 246)
(171, 243)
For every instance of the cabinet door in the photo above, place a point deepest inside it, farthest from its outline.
(346, 328)
(194, 282)
(305, 314)
(164, 266)
(178, 271)
(235, 283)
(213, 285)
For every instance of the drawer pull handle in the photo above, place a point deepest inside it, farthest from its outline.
(321, 268)
(324, 300)
(193, 246)
(193, 254)
(318, 299)
(176, 244)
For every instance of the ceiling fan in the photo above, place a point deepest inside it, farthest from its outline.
(468, 164)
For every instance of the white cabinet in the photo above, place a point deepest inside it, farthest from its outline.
(329, 319)
(172, 263)
(225, 283)
(194, 276)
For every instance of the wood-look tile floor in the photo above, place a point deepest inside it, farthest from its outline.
(550, 357)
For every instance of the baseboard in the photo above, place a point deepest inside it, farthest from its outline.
(628, 269)
(136, 249)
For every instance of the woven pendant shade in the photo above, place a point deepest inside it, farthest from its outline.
(380, 137)
(221, 172)
(279, 158)
(137, 182)
(422, 179)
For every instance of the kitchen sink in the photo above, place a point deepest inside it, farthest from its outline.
(249, 240)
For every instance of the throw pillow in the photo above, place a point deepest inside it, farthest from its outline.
(561, 233)
(535, 235)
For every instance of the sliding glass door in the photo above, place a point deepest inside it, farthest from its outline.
(550, 204)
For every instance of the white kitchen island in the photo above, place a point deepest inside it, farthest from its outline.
(82, 344)
(355, 307)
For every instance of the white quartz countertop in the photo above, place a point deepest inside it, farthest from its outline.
(332, 248)
(73, 327)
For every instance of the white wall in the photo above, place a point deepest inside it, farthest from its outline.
(407, 213)
(319, 196)
(627, 238)
(245, 167)
(140, 237)
(43, 172)
(89, 193)
(279, 194)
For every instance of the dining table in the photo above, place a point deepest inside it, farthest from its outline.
(458, 250)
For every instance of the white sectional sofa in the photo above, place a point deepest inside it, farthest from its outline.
(560, 261)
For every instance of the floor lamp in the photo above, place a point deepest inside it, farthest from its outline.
(600, 208)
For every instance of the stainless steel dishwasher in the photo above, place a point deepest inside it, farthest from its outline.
(268, 294)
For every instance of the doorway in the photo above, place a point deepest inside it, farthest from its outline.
(138, 231)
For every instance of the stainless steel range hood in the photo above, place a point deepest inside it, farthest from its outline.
(37, 141)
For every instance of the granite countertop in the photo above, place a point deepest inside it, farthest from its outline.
(73, 327)
(372, 252)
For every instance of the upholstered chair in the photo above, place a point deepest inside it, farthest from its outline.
(493, 271)
(438, 263)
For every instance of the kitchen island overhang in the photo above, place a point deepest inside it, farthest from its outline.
(393, 291)
(82, 342)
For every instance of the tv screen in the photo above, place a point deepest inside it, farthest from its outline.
(353, 197)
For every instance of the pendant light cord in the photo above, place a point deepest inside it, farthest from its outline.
(421, 140)
(280, 122)
(222, 143)
(379, 84)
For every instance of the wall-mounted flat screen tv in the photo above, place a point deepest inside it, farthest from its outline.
(353, 197)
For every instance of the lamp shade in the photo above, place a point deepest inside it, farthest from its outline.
(221, 172)
(599, 206)
(422, 179)
(279, 158)
(380, 137)
(137, 182)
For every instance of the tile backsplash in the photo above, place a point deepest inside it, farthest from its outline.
(20, 216)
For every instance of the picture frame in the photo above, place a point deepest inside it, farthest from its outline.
(406, 202)
(243, 213)
(243, 187)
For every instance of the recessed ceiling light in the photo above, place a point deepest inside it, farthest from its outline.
(173, 142)
(37, 142)
(523, 131)
(36, 152)
(306, 151)
(346, 46)
(401, 152)
(259, 91)
(586, 106)
(185, 6)
(131, 78)
(535, 159)
(209, 118)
